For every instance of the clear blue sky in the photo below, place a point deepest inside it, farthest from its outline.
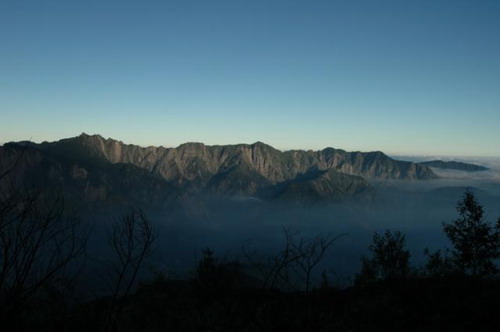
(412, 77)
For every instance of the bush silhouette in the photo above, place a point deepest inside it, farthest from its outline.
(390, 259)
(476, 242)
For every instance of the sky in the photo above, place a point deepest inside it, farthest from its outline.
(403, 77)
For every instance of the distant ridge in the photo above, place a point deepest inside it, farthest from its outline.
(107, 166)
(455, 165)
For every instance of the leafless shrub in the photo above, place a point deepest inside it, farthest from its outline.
(38, 243)
(131, 238)
(292, 268)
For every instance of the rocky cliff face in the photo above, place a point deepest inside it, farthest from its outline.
(196, 161)
(257, 169)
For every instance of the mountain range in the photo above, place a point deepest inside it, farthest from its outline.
(90, 168)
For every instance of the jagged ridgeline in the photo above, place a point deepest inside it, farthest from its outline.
(97, 169)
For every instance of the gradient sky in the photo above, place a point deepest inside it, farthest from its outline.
(411, 77)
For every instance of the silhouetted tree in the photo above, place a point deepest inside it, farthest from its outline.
(476, 242)
(40, 247)
(213, 278)
(389, 261)
(292, 267)
(130, 238)
(438, 264)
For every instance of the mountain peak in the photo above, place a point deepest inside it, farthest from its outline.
(259, 143)
(191, 144)
(378, 154)
(262, 145)
(85, 135)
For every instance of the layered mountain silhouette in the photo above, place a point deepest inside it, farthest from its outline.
(91, 168)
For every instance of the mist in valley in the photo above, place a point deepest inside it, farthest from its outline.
(239, 228)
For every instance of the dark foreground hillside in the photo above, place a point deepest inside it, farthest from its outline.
(433, 304)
